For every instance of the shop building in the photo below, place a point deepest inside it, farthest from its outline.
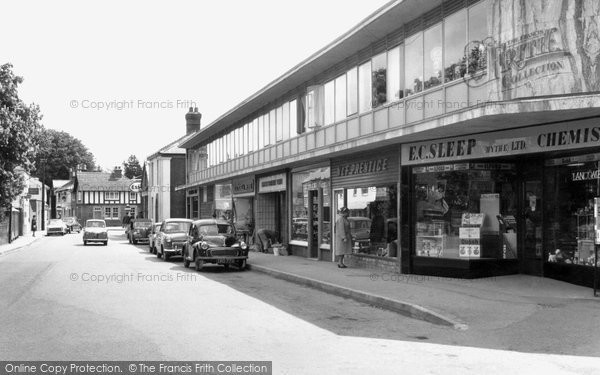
(453, 125)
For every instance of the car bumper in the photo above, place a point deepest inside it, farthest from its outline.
(222, 259)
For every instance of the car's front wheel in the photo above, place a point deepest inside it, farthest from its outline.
(186, 262)
(241, 264)
(158, 255)
(199, 264)
(84, 243)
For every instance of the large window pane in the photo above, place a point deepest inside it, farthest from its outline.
(455, 39)
(279, 114)
(364, 87)
(293, 118)
(413, 64)
(352, 91)
(285, 120)
(478, 32)
(379, 80)
(340, 98)
(393, 74)
(260, 131)
(272, 127)
(266, 130)
(329, 102)
(433, 56)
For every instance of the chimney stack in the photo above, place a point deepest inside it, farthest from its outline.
(192, 120)
(117, 172)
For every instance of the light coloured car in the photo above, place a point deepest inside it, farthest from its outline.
(95, 231)
(171, 237)
(56, 226)
(152, 237)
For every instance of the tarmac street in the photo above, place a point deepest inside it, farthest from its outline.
(65, 301)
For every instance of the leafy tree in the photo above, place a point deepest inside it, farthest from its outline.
(19, 128)
(132, 167)
(58, 152)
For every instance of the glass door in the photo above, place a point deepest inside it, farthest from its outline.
(531, 227)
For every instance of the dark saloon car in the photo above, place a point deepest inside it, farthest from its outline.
(171, 237)
(72, 224)
(139, 230)
(214, 241)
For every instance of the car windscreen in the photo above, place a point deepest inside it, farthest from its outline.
(95, 224)
(215, 229)
(175, 226)
(142, 224)
(56, 222)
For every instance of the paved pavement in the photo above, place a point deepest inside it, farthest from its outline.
(20, 242)
(488, 303)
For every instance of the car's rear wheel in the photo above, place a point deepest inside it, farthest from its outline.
(241, 264)
(158, 255)
(84, 243)
(199, 264)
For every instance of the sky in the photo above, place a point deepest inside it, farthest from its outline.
(120, 75)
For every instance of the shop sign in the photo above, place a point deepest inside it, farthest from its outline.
(272, 183)
(34, 191)
(592, 174)
(192, 192)
(361, 168)
(135, 187)
(223, 191)
(243, 186)
(555, 137)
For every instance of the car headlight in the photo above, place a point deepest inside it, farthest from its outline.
(243, 245)
(168, 240)
(204, 246)
(136, 232)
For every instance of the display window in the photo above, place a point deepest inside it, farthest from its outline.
(223, 202)
(465, 210)
(243, 216)
(308, 206)
(571, 188)
(373, 219)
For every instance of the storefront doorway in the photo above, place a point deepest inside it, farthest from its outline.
(531, 220)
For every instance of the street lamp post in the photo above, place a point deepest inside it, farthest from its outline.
(43, 161)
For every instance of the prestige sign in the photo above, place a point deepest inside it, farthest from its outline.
(363, 167)
(555, 137)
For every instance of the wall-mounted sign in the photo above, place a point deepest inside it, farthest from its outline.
(33, 191)
(135, 186)
(272, 183)
(243, 186)
(361, 167)
(561, 136)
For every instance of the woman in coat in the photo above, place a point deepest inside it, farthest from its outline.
(33, 225)
(343, 238)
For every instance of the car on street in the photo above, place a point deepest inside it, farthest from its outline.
(152, 237)
(360, 229)
(95, 231)
(138, 230)
(72, 224)
(214, 241)
(56, 226)
(171, 237)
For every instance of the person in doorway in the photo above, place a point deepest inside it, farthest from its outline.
(343, 237)
(33, 225)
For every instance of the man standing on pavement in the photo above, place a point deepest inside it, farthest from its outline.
(343, 238)
(126, 220)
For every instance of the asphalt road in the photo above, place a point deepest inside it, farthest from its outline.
(65, 301)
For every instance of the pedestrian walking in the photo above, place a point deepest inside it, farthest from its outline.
(33, 225)
(343, 237)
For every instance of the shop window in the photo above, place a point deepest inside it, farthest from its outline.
(455, 34)
(243, 217)
(223, 202)
(260, 132)
(285, 121)
(413, 64)
(379, 80)
(393, 74)
(373, 220)
(329, 92)
(570, 190)
(478, 34)
(340, 98)
(302, 184)
(352, 91)
(272, 127)
(364, 87)
(466, 211)
(433, 57)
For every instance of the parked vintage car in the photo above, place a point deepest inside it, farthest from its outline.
(214, 241)
(95, 231)
(360, 229)
(138, 230)
(171, 237)
(152, 237)
(72, 224)
(56, 226)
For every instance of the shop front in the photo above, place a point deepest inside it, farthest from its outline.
(518, 201)
(271, 210)
(311, 212)
(243, 207)
(367, 184)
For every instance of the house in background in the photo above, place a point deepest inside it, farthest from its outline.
(108, 196)
(164, 170)
(63, 196)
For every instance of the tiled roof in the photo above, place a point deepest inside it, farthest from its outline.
(59, 183)
(173, 147)
(102, 181)
(63, 187)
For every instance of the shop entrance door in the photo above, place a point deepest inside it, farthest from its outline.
(530, 227)
(338, 202)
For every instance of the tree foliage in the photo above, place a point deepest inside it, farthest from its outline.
(132, 167)
(58, 152)
(19, 132)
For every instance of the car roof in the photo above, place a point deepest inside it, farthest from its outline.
(103, 221)
(211, 221)
(171, 220)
